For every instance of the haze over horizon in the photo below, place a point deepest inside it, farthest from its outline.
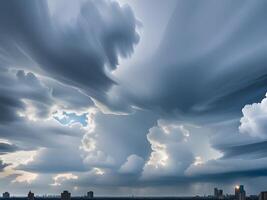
(154, 97)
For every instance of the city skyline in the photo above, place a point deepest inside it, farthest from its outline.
(143, 97)
(239, 194)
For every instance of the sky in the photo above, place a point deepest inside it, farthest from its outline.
(133, 97)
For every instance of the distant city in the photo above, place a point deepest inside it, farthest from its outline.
(239, 194)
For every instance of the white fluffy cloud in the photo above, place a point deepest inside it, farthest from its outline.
(59, 178)
(243, 148)
(170, 155)
(254, 120)
(133, 165)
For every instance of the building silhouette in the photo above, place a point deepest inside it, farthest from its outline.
(30, 195)
(263, 195)
(220, 194)
(240, 193)
(216, 192)
(6, 195)
(65, 195)
(90, 194)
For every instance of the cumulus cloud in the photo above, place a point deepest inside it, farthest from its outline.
(254, 119)
(59, 178)
(52, 160)
(243, 135)
(133, 165)
(125, 132)
(25, 177)
(99, 158)
(245, 154)
(170, 154)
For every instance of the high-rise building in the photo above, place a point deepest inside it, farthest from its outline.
(220, 193)
(90, 194)
(216, 192)
(237, 189)
(263, 195)
(241, 188)
(6, 195)
(65, 195)
(240, 193)
(30, 195)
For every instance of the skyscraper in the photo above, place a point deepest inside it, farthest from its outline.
(216, 192)
(65, 195)
(263, 195)
(240, 193)
(236, 191)
(30, 195)
(90, 194)
(6, 195)
(220, 194)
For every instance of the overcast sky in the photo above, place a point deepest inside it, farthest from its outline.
(133, 97)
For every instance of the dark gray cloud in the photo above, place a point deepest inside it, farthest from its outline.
(254, 150)
(52, 160)
(18, 86)
(7, 148)
(76, 55)
(24, 92)
(184, 101)
(2, 165)
(31, 135)
(31, 41)
(8, 108)
(69, 98)
(210, 62)
(228, 169)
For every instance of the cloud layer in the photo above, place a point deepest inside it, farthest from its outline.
(77, 111)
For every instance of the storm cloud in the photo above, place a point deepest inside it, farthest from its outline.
(76, 54)
(132, 97)
(210, 61)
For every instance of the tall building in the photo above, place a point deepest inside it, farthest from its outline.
(240, 193)
(6, 195)
(90, 194)
(241, 188)
(242, 196)
(263, 195)
(220, 194)
(216, 192)
(30, 195)
(236, 191)
(65, 195)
